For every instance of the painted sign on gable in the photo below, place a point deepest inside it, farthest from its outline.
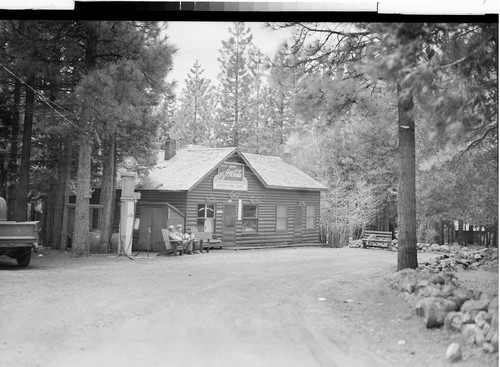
(231, 176)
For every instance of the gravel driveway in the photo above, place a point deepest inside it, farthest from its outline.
(275, 307)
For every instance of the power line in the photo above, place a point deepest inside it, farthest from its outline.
(49, 103)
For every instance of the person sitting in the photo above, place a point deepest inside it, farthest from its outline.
(186, 239)
(176, 239)
(196, 242)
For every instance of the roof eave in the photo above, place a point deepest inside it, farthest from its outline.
(297, 188)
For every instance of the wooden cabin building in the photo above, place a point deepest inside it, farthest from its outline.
(243, 199)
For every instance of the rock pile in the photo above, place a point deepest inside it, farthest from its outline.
(464, 258)
(437, 297)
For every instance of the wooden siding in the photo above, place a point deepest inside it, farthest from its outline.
(177, 199)
(267, 199)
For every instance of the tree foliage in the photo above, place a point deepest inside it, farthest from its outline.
(235, 90)
(92, 82)
(429, 65)
(194, 118)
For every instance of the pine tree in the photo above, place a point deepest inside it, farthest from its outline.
(420, 62)
(194, 116)
(122, 84)
(235, 81)
(282, 82)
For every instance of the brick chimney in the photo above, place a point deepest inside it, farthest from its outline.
(287, 157)
(170, 148)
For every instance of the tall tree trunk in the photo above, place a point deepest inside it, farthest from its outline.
(495, 234)
(407, 219)
(106, 199)
(441, 232)
(43, 221)
(451, 232)
(386, 217)
(68, 150)
(470, 234)
(460, 232)
(24, 174)
(49, 215)
(60, 194)
(81, 245)
(14, 149)
(9, 134)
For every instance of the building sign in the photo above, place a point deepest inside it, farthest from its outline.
(231, 176)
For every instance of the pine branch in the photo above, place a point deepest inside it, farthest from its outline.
(476, 142)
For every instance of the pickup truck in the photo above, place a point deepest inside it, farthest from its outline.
(17, 239)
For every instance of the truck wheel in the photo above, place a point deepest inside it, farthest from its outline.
(24, 259)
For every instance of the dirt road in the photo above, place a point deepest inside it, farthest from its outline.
(281, 307)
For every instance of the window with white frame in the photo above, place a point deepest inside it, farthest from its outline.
(310, 217)
(206, 218)
(281, 217)
(249, 218)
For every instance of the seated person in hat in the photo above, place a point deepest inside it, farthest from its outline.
(174, 236)
(196, 242)
(186, 238)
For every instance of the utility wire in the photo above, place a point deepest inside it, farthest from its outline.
(50, 103)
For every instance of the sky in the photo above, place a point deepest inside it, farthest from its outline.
(202, 41)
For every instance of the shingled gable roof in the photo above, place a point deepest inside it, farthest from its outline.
(277, 174)
(186, 168)
(192, 164)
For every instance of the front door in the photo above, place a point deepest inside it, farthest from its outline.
(229, 225)
(297, 224)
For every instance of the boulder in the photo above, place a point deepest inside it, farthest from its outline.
(483, 318)
(411, 298)
(479, 336)
(453, 353)
(472, 334)
(407, 284)
(486, 329)
(434, 310)
(459, 296)
(435, 247)
(474, 266)
(489, 332)
(438, 279)
(421, 283)
(494, 339)
(488, 348)
(453, 321)
(448, 289)
(396, 278)
(493, 306)
(444, 248)
(469, 317)
(451, 278)
(477, 294)
(487, 296)
(430, 291)
(480, 305)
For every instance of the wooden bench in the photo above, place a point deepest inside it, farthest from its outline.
(377, 239)
(172, 246)
(206, 239)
